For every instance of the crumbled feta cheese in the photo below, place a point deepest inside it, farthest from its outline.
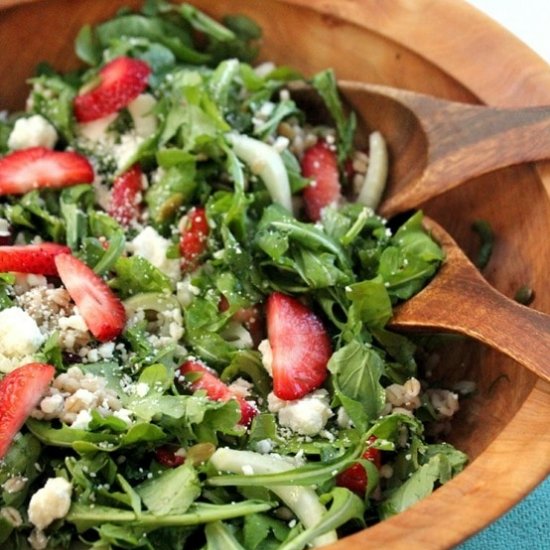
(82, 420)
(342, 419)
(241, 387)
(141, 389)
(185, 291)
(145, 123)
(20, 337)
(34, 131)
(306, 416)
(106, 350)
(267, 356)
(153, 247)
(50, 503)
(73, 321)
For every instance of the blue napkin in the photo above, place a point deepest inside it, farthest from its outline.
(526, 526)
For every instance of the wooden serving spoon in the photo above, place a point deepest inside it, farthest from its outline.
(436, 144)
(460, 300)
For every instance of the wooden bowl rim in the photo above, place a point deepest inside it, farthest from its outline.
(489, 486)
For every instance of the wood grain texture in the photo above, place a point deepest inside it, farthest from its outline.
(442, 47)
(460, 300)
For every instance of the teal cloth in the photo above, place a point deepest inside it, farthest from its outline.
(526, 526)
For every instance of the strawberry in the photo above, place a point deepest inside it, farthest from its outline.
(120, 82)
(102, 311)
(31, 258)
(39, 167)
(167, 457)
(193, 238)
(217, 390)
(300, 346)
(126, 196)
(321, 165)
(354, 477)
(20, 391)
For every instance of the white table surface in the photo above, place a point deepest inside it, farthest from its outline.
(529, 20)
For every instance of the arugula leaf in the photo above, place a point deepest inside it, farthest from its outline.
(74, 201)
(370, 303)
(154, 29)
(135, 275)
(257, 528)
(411, 261)
(172, 492)
(418, 486)
(6, 280)
(52, 97)
(356, 371)
(325, 83)
(84, 517)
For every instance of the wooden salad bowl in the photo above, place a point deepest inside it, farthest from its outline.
(443, 48)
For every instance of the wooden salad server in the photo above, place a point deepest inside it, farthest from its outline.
(437, 144)
(460, 300)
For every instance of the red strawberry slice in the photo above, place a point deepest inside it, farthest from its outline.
(217, 390)
(126, 196)
(193, 238)
(321, 165)
(121, 81)
(31, 258)
(39, 167)
(355, 477)
(101, 309)
(300, 346)
(166, 456)
(20, 391)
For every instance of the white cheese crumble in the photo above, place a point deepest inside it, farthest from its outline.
(306, 416)
(20, 337)
(34, 131)
(50, 503)
(153, 247)
(267, 356)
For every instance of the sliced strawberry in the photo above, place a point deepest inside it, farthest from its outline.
(300, 346)
(39, 167)
(166, 456)
(102, 311)
(126, 196)
(193, 238)
(217, 390)
(321, 165)
(20, 391)
(120, 82)
(31, 258)
(355, 477)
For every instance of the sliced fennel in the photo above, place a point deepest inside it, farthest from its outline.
(377, 172)
(303, 501)
(265, 161)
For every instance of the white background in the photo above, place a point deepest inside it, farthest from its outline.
(529, 20)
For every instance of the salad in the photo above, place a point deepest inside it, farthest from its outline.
(194, 293)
